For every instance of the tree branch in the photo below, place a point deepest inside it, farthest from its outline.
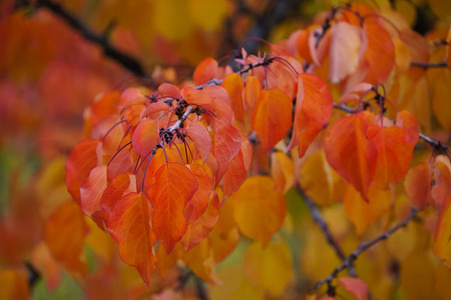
(128, 62)
(364, 246)
(426, 66)
(318, 218)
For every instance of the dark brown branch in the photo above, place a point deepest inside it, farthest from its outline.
(100, 40)
(426, 66)
(318, 218)
(349, 261)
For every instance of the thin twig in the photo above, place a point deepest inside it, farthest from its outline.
(318, 218)
(364, 246)
(101, 40)
(426, 65)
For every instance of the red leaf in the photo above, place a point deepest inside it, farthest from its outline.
(198, 230)
(201, 138)
(272, 118)
(199, 202)
(394, 154)
(91, 191)
(236, 172)
(418, 185)
(120, 186)
(129, 224)
(169, 90)
(175, 185)
(145, 137)
(357, 287)
(227, 144)
(350, 153)
(205, 71)
(314, 105)
(81, 161)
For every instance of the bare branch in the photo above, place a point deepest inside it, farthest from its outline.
(318, 218)
(128, 62)
(364, 246)
(426, 66)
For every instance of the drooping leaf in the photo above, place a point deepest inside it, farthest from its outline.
(64, 235)
(394, 154)
(356, 286)
(418, 185)
(91, 192)
(234, 85)
(200, 260)
(350, 153)
(129, 224)
(236, 172)
(258, 208)
(199, 201)
(313, 109)
(282, 170)
(175, 185)
(364, 212)
(81, 161)
(269, 268)
(200, 137)
(272, 118)
(442, 180)
(120, 186)
(169, 90)
(344, 51)
(252, 90)
(227, 144)
(199, 229)
(145, 137)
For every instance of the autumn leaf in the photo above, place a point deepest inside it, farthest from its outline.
(270, 267)
(205, 71)
(145, 137)
(129, 224)
(356, 286)
(350, 153)
(313, 109)
(418, 185)
(81, 161)
(91, 192)
(259, 209)
(174, 186)
(120, 186)
(64, 235)
(234, 86)
(196, 207)
(198, 133)
(272, 118)
(13, 285)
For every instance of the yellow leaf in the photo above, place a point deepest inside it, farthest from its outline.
(171, 20)
(319, 181)
(13, 285)
(282, 170)
(441, 99)
(235, 285)
(269, 268)
(362, 214)
(442, 234)
(208, 14)
(417, 276)
(259, 209)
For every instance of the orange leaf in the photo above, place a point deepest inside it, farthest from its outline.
(199, 202)
(13, 285)
(145, 137)
(418, 185)
(442, 234)
(91, 191)
(169, 90)
(129, 224)
(252, 90)
(200, 260)
(363, 213)
(201, 227)
(259, 209)
(356, 286)
(227, 145)
(120, 186)
(394, 154)
(313, 109)
(205, 71)
(408, 122)
(81, 161)
(236, 172)
(175, 185)
(198, 133)
(272, 118)
(380, 51)
(65, 233)
(234, 86)
(350, 153)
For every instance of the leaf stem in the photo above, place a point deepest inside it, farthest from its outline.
(426, 65)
